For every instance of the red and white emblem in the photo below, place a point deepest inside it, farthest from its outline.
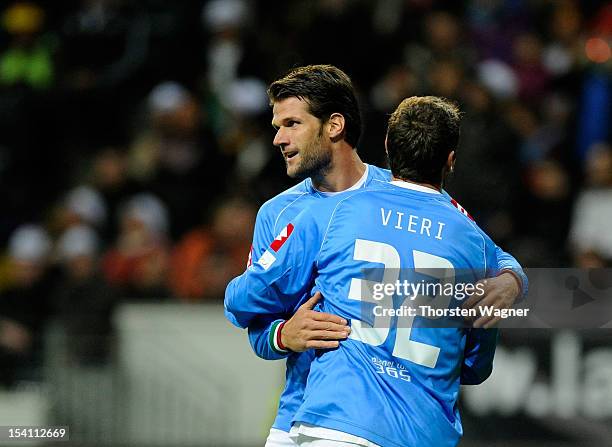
(460, 208)
(282, 238)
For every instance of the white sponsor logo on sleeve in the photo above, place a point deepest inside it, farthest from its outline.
(266, 260)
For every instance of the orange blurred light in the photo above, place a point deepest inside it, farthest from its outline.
(597, 50)
(23, 18)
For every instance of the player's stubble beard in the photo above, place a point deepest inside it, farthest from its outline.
(315, 160)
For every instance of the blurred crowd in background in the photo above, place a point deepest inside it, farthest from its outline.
(136, 146)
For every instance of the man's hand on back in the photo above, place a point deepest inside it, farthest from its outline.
(309, 329)
(500, 292)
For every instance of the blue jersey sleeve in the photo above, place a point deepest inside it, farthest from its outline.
(274, 284)
(262, 332)
(262, 235)
(478, 355)
(481, 343)
(505, 261)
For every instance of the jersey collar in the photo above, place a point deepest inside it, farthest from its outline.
(414, 187)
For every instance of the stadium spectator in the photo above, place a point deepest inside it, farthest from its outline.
(24, 305)
(171, 155)
(527, 63)
(493, 27)
(397, 83)
(442, 48)
(207, 258)
(137, 262)
(546, 206)
(490, 197)
(84, 205)
(225, 21)
(562, 53)
(109, 176)
(244, 139)
(590, 236)
(83, 300)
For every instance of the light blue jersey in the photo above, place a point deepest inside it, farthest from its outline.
(273, 216)
(393, 386)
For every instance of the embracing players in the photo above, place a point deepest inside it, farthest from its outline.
(318, 126)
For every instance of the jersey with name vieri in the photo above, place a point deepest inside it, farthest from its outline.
(272, 217)
(394, 384)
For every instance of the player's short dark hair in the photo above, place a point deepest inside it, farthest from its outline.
(327, 90)
(422, 132)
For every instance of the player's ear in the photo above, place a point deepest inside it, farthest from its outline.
(386, 150)
(335, 126)
(450, 162)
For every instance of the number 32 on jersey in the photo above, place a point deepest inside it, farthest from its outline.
(361, 289)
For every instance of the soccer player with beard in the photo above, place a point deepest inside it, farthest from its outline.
(316, 115)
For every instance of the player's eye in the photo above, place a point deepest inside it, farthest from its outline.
(292, 123)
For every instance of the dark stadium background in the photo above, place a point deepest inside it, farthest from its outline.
(135, 149)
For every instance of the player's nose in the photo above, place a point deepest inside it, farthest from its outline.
(280, 139)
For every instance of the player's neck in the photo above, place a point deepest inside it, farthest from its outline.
(426, 185)
(346, 170)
